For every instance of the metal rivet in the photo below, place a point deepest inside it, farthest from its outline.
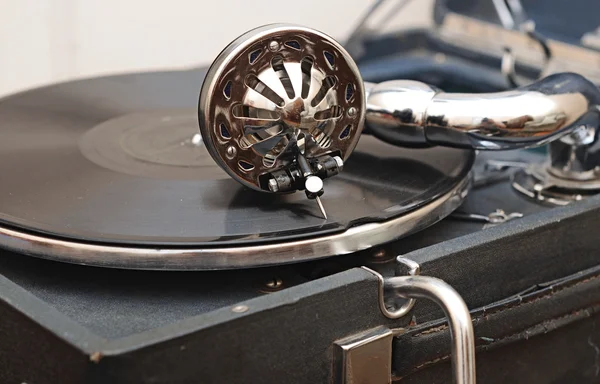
(276, 283)
(273, 285)
(231, 152)
(381, 256)
(273, 45)
(239, 309)
(351, 111)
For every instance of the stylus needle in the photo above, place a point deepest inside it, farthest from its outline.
(321, 207)
(314, 188)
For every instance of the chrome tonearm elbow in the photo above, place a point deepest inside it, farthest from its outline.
(411, 113)
(561, 110)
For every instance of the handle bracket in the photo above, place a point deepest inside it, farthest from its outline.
(367, 356)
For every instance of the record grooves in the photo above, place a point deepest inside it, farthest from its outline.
(118, 161)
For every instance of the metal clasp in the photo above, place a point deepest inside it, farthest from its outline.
(367, 357)
(414, 269)
(364, 358)
(491, 219)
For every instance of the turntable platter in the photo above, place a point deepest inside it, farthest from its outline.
(118, 162)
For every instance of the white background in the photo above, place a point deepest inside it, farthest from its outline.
(45, 41)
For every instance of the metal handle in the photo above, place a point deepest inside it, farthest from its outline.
(416, 114)
(459, 318)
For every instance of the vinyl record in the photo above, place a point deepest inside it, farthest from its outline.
(119, 162)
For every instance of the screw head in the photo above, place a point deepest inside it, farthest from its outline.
(340, 162)
(381, 256)
(231, 152)
(273, 45)
(351, 111)
(275, 283)
(273, 186)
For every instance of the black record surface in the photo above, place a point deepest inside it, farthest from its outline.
(119, 160)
